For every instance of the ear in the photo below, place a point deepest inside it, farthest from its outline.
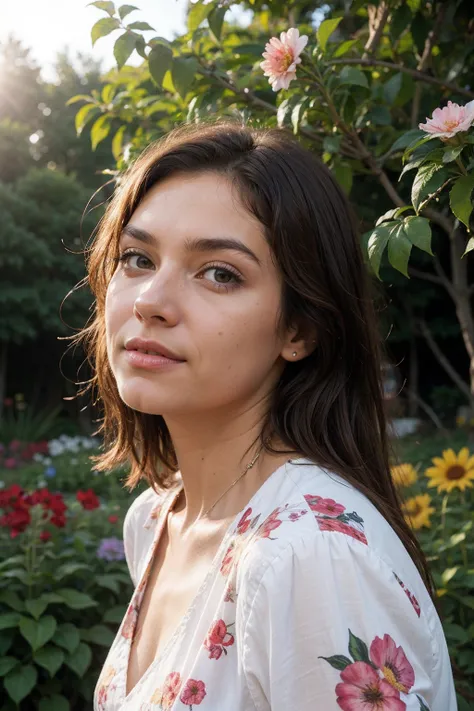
(301, 343)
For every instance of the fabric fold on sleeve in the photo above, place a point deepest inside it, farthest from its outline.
(329, 627)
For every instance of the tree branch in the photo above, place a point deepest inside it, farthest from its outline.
(425, 60)
(443, 361)
(420, 76)
(378, 16)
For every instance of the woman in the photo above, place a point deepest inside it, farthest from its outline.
(236, 355)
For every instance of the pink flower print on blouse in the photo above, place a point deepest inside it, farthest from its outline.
(130, 621)
(373, 681)
(331, 516)
(106, 679)
(410, 596)
(193, 693)
(362, 689)
(166, 695)
(153, 515)
(327, 507)
(391, 660)
(216, 640)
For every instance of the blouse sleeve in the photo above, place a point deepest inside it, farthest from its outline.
(329, 626)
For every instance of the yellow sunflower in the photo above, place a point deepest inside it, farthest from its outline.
(452, 471)
(417, 511)
(403, 474)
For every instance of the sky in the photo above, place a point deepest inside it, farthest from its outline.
(49, 26)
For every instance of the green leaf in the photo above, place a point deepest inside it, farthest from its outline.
(100, 130)
(78, 97)
(37, 633)
(182, 73)
(143, 26)
(401, 18)
(80, 660)
(460, 198)
(469, 246)
(325, 30)
(378, 240)
(7, 664)
(76, 600)
(160, 61)
(406, 138)
(379, 116)
(423, 706)
(84, 114)
(197, 14)
(9, 619)
(98, 634)
(416, 144)
(125, 10)
(338, 661)
(107, 96)
(117, 142)
(297, 112)
(434, 156)
(399, 249)
(393, 214)
(12, 599)
(343, 48)
(104, 5)
(451, 153)
(216, 21)
(427, 180)
(20, 681)
(67, 636)
(353, 76)
(344, 175)
(358, 649)
(56, 702)
(36, 607)
(103, 27)
(418, 231)
(49, 657)
(392, 87)
(114, 615)
(109, 582)
(123, 47)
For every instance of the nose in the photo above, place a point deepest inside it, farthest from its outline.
(156, 300)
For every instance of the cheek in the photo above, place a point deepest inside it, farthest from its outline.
(118, 310)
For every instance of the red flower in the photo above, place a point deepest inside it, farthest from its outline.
(45, 535)
(8, 496)
(10, 463)
(88, 499)
(113, 519)
(216, 639)
(19, 518)
(14, 445)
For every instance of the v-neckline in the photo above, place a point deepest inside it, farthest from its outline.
(168, 503)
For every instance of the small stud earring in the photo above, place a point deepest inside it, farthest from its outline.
(294, 353)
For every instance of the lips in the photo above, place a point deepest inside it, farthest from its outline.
(152, 348)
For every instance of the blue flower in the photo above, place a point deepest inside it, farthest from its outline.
(50, 472)
(111, 549)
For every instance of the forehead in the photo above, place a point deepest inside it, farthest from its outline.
(203, 204)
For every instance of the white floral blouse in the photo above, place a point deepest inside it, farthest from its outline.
(311, 604)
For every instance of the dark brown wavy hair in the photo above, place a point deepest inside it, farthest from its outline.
(329, 406)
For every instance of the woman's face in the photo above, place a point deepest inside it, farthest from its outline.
(213, 305)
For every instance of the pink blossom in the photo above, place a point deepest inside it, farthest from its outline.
(193, 692)
(332, 524)
(328, 507)
(281, 57)
(363, 690)
(449, 120)
(391, 660)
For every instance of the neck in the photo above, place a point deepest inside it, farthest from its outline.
(209, 468)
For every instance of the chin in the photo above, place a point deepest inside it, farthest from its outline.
(140, 397)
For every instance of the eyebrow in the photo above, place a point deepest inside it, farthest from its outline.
(200, 244)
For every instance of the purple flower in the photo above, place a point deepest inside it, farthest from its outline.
(50, 472)
(111, 549)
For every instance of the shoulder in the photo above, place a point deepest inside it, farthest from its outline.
(313, 517)
(139, 528)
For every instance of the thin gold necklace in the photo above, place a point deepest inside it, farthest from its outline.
(249, 466)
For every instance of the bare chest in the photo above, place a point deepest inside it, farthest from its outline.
(174, 581)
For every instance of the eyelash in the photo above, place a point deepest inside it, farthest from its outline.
(123, 258)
